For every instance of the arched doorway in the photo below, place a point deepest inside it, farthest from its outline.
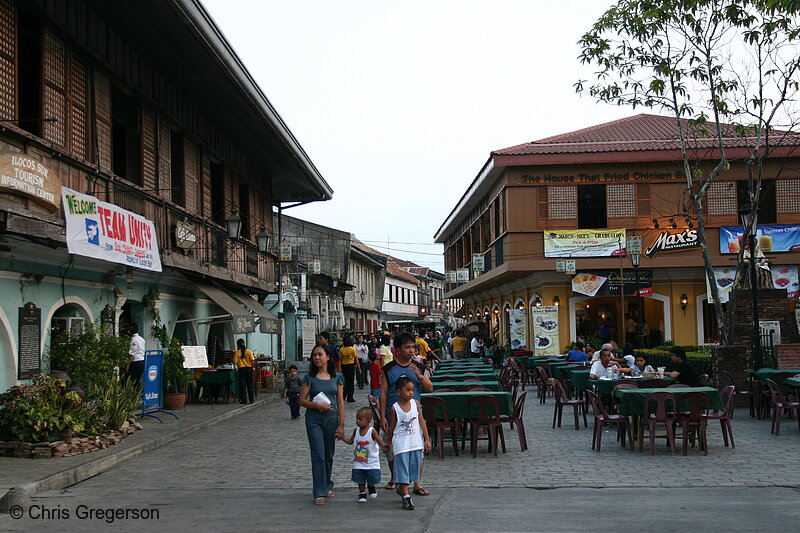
(184, 331)
(585, 311)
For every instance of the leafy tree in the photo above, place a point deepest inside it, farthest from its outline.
(723, 68)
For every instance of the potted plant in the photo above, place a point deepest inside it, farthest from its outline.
(175, 376)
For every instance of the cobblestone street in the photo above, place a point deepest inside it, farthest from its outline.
(263, 454)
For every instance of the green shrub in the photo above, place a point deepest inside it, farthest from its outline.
(33, 413)
(92, 358)
(114, 403)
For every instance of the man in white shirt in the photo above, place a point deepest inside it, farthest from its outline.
(476, 346)
(363, 361)
(136, 355)
(600, 366)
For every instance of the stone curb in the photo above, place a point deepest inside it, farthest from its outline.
(21, 494)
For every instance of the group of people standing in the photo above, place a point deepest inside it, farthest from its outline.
(397, 373)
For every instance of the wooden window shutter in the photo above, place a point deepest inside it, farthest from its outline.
(231, 185)
(164, 161)
(493, 220)
(8, 59)
(501, 213)
(721, 198)
(149, 157)
(190, 173)
(788, 195)
(543, 209)
(642, 199)
(102, 108)
(54, 88)
(205, 181)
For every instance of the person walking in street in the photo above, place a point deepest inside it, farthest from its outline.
(135, 367)
(244, 360)
(476, 347)
(367, 444)
(322, 394)
(325, 340)
(459, 345)
(406, 432)
(348, 356)
(291, 391)
(363, 361)
(386, 355)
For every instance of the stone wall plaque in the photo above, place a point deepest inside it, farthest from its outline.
(30, 335)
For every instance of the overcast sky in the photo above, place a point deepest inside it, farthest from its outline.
(399, 104)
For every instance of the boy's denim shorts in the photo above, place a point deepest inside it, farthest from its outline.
(367, 477)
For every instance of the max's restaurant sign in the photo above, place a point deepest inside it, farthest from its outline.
(108, 232)
(24, 176)
(668, 241)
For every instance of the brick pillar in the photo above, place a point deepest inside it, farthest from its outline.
(787, 355)
(732, 359)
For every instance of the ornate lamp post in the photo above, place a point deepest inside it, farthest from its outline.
(633, 250)
(749, 218)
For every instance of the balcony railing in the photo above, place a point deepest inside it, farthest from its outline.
(211, 244)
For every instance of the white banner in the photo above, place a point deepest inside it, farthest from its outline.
(104, 231)
(545, 330)
(519, 333)
(308, 329)
(584, 243)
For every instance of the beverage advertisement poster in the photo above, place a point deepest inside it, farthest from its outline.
(545, 330)
(105, 231)
(518, 326)
(725, 278)
(783, 277)
(768, 239)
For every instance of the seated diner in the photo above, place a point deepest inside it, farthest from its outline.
(600, 366)
(684, 371)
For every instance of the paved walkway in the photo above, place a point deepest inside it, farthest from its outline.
(275, 450)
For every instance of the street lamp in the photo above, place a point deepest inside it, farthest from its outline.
(749, 218)
(263, 240)
(234, 224)
(633, 249)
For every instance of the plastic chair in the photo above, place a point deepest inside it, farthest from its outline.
(469, 378)
(439, 424)
(750, 392)
(622, 384)
(780, 403)
(542, 383)
(703, 380)
(655, 384)
(490, 422)
(694, 420)
(766, 399)
(474, 387)
(678, 386)
(448, 389)
(516, 418)
(727, 395)
(562, 399)
(661, 416)
(602, 418)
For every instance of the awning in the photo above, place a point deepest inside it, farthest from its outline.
(268, 322)
(243, 320)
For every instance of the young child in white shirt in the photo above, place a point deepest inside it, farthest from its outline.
(366, 445)
(406, 431)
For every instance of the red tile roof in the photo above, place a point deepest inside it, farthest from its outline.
(637, 133)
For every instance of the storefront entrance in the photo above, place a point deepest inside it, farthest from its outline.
(588, 315)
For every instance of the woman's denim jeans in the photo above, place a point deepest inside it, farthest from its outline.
(321, 431)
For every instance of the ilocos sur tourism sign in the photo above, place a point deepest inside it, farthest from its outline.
(104, 231)
(25, 176)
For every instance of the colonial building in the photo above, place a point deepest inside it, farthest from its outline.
(538, 210)
(132, 138)
(367, 276)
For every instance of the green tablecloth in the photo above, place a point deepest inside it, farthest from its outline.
(792, 383)
(482, 367)
(491, 385)
(579, 379)
(767, 373)
(457, 402)
(214, 382)
(605, 386)
(455, 376)
(531, 362)
(632, 400)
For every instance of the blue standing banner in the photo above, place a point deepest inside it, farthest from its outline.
(152, 400)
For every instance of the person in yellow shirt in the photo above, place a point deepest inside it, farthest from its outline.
(424, 348)
(385, 352)
(459, 344)
(348, 355)
(244, 359)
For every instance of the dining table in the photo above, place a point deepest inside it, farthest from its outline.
(605, 386)
(767, 373)
(457, 402)
(631, 401)
(220, 382)
(456, 376)
(579, 377)
(491, 385)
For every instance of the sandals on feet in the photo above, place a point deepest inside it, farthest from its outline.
(391, 486)
(320, 501)
(421, 492)
(331, 494)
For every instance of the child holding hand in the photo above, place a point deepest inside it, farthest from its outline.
(406, 431)
(366, 443)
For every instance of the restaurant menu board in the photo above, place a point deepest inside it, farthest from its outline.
(105, 231)
(545, 330)
(783, 277)
(519, 334)
(584, 243)
(768, 239)
(30, 336)
(194, 357)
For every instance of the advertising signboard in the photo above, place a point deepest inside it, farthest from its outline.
(768, 239)
(104, 231)
(584, 243)
(545, 330)
(519, 329)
